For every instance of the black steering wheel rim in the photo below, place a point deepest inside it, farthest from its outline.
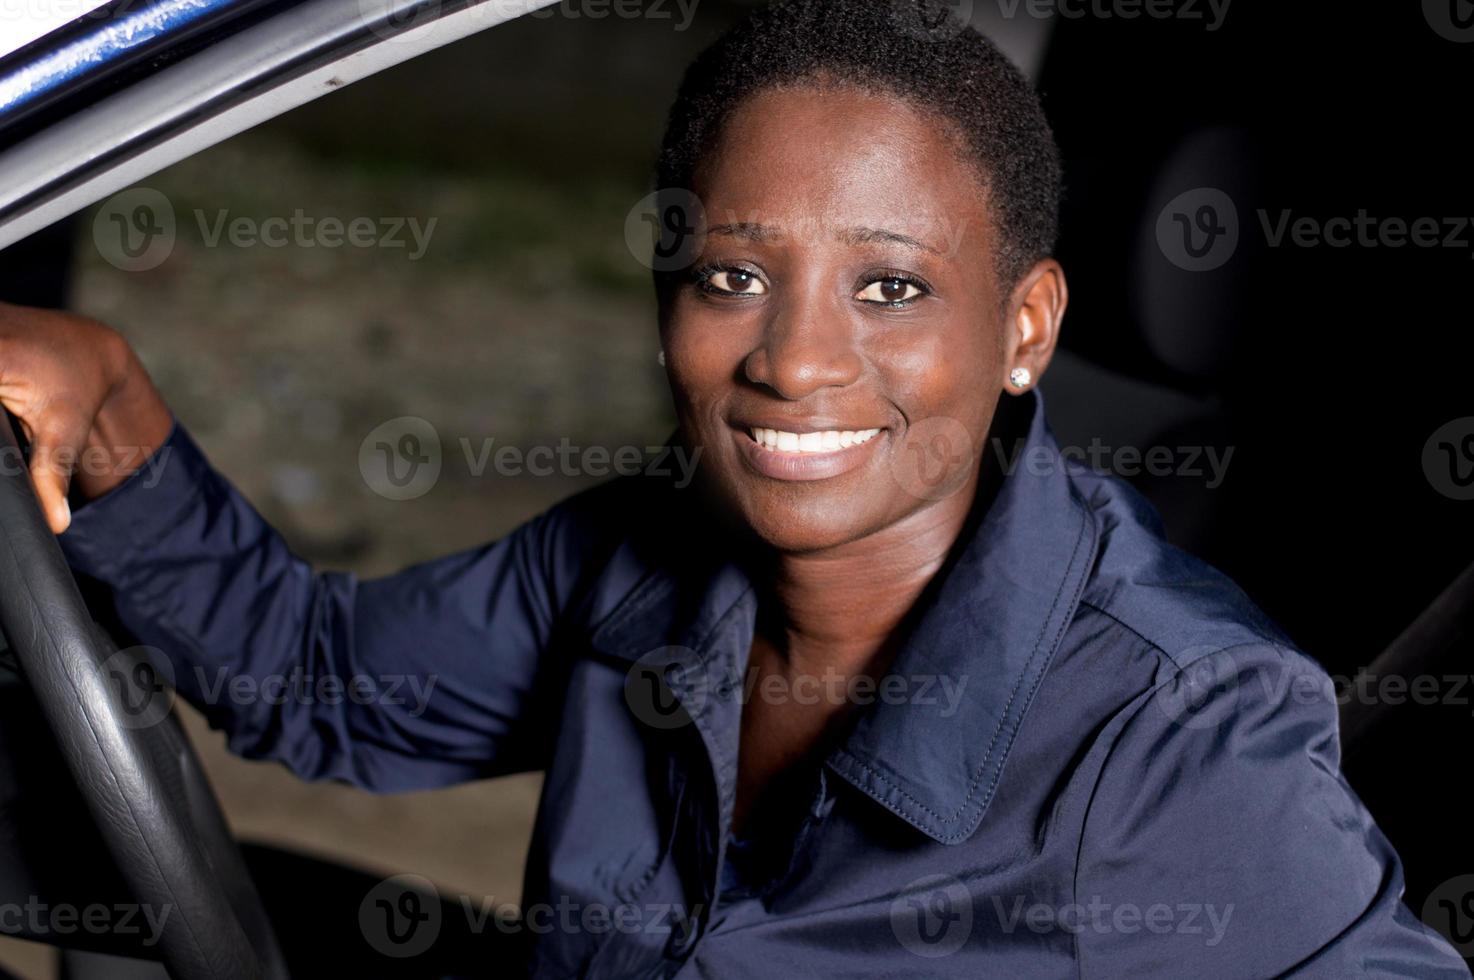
(142, 783)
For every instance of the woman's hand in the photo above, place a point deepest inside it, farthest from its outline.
(84, 400)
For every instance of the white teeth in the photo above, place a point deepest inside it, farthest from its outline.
(811, 442)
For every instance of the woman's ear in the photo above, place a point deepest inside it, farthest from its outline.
(1036, 308)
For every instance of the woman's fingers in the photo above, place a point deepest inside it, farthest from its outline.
(84, 400)
(56, 447)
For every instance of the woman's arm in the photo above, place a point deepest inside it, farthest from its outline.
(1223, 841)
(428, 677)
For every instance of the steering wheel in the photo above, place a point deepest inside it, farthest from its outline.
(138, 773)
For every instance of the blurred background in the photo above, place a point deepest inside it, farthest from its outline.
(1324, 379)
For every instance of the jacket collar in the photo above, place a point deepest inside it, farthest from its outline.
(982, 638)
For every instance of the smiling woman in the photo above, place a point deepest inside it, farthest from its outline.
(864, 699)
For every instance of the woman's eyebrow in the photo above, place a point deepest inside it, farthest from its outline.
(868, 236)
(748, 230)
(755, 232)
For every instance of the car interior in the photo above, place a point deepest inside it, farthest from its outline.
(1299, 389)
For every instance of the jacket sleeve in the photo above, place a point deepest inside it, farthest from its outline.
(1223, 841)
(428, 677)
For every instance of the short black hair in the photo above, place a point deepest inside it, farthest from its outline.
(915, 49)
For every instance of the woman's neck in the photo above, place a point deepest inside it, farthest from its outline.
(834, 610)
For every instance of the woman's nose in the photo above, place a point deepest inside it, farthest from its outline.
(805, 347)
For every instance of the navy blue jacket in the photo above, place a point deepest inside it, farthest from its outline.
(1094, 758)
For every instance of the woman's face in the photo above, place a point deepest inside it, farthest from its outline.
(841, 344)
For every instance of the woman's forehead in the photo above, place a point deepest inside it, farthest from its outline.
(849, 166)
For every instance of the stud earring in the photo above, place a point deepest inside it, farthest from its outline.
(1020, 377)
(660, 357)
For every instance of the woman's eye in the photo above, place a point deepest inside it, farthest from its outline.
(889, 291)
(739, 282)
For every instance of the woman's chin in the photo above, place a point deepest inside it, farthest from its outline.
(805, 522)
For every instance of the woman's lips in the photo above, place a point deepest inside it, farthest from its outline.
(814, 455)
